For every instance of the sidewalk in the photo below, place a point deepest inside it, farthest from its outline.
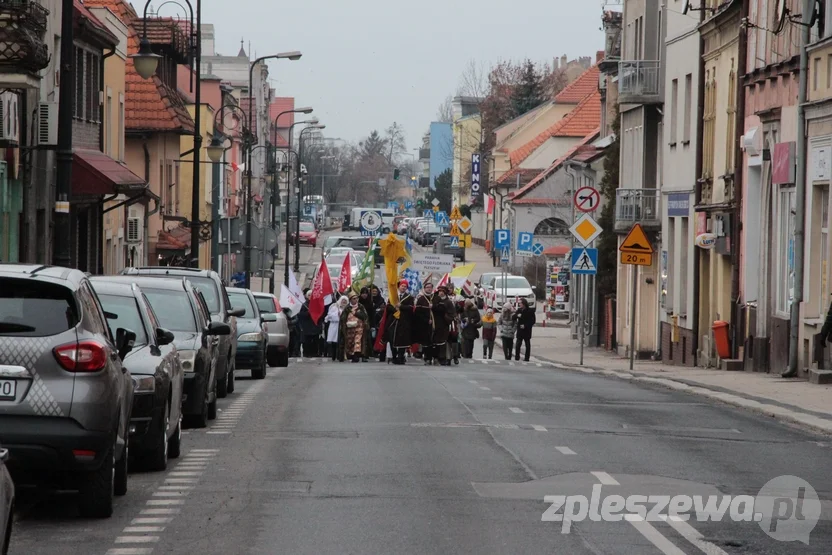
(789, 400)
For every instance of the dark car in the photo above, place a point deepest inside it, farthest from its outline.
(181, 308)
(156, 417)
(252, 340)
(360, 243)
(65, 396)
(210, 284)
(458, 251)
(6, 503)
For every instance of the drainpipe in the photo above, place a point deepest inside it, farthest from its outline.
(147, 212)
(800, 202)
(700, 133)
(573, 279)
(736, 220)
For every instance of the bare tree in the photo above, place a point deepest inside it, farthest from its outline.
(395, 143)
(445, 112)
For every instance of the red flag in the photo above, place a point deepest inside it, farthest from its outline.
(446, 279)
(489, 204)
(320, 290)
(345, 279)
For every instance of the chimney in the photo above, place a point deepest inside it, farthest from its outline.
(599, 56)
(564, 61)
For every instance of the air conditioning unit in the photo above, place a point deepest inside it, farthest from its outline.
(134, 230)
(9, 119)
(48, 124)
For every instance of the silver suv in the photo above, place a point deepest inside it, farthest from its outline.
(65, 397)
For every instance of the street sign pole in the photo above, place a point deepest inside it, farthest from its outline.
(582, 319)
(633, 317)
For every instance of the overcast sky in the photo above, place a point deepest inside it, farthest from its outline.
(368, 63)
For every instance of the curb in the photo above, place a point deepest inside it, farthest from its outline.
(766, 407)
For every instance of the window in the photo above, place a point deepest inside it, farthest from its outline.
(241, 300)
(709, 123)
(671, 266)
(87, 86)
(28, 308)
(815, 72)
(163, 190)
(688, 108)
(682, 309)
(674, 108)
(108, 124)
(829, 71)
(784, 279)
(824, 244)
(79, 84)
(819, 239)
(173, 198)
(125, 314)
(121, 126)
(730, 131)
(173, 309)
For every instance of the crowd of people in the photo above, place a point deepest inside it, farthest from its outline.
(433, 325)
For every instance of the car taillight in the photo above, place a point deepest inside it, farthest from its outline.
(82, 356)
(276, 306)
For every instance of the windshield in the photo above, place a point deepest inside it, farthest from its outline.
(241, 300)
(209, 290)
(173, 308)
(330, 242)
(35, 308)
(265, 305)
(511, 282)
(123, 312)
(336, 258)
(306, 226)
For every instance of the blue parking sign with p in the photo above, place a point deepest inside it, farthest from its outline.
(525, 241)
(502, 238)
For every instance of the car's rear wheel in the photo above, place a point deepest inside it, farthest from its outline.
(282, 359)
(158, 459)
(95, 498)
(222, 385)
(212, 410)
(175, 442)
(201, 420)
(231, 372)
(259, 373)
(121, 467)
(273, 356)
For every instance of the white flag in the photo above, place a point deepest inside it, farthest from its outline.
(293, 285)
(290, 301)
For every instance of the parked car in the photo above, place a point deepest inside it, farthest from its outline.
(216, 297)
(487, 280)
(361, 244)
(429, 234)
(277, 353)
(65, 396)
(329, 243)
(458, 251)
(308, 234)
(181, 308)
(335, 261)
(6, 503)
(515, 287)
(252, 340)
(156, 415)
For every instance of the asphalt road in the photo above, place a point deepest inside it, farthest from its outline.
(326, 457)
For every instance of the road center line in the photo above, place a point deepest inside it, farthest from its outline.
(539, 428)
(605, 478)
(653, 536)
(565, 451)
(515, 410)
(497, 398)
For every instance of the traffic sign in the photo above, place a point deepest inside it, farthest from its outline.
(408, 204)
(584, 261)
(392, 205)
(435, 202)
(370, 222)
(427, 214)
(454, 242)
(435, 209)
(587, 199)
(502, 239)
(524, 243)
(454, 230)
(585, 230)
(537, 249)
(504, 256)
(455, 215)
(636, 242)
(442, 218)
(465, 224)
(637, 259)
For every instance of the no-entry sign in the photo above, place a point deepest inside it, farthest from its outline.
(587, 199)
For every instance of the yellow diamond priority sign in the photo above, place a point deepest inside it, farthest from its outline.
(585, 230)
(465, 224)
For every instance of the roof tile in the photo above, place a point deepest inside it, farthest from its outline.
(577, 90)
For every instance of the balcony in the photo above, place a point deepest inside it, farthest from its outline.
(23, 52)
(637, 206)
(639, 82)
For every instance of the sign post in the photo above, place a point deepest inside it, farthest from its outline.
(636, 250)
(585, 260)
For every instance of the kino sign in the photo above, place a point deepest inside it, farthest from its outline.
(475, 176)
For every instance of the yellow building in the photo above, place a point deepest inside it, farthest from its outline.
(186, 169)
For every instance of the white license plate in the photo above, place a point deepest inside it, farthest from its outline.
(8, 390)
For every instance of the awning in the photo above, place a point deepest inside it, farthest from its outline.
(167, 241)
(95, 173)
(556, 251)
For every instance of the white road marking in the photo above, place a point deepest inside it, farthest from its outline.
(511, 364)
(159, 512)
(605, 478)
(187, 473)
(137, 539)
(164, 502)
(142, 529)
(194, 451)
(653, 536)
(497, 398)
(170, 494)
(151, 520)
(470, 361)
(180, 480)
(175, 487)
(484, 361)
(515, 410)
(130, 551)
(539, 428)
(485, 388)
(539, 365)
(218, 432)
(565, 451)
(692, 535)
(475, 382)
(495, 361)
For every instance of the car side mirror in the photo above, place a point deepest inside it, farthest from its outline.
(238, 312)
(125, 339)
(218, 328)
(163, 336)
(269, 317)
(534, 287)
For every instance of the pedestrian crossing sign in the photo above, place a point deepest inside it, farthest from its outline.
(454, 243)
(584, 261)
(505, 256)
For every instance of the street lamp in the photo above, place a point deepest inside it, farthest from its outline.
(293, 55)
(315, 125)
(146, 63)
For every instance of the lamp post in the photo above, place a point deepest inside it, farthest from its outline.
(288, 159)
(313, 121)
(294, 55)
(146, 62)
(315, 125)
(304, 110)
(62, 227)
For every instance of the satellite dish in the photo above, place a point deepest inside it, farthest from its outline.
(686, 9)
(781, 14)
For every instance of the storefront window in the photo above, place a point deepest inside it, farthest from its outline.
(785, 255)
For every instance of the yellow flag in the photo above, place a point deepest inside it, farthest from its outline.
(392, 249)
